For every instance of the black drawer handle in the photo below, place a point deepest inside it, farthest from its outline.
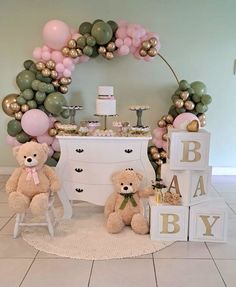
(79, 189)
(78, 169)
(128, 150)
(80, 150)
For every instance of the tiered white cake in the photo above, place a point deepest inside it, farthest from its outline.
(105, 102)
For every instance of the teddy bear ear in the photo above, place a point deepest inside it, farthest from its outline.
(16, 150)
(114, 175)
(139, 175)
(45, 148)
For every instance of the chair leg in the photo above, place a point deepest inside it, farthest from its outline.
(50, 225)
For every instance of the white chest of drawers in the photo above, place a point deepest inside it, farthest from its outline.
(87, 163)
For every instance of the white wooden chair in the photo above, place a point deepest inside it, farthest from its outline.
(50, 219)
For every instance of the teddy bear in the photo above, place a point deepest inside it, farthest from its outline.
(124, 206)
(30, 184)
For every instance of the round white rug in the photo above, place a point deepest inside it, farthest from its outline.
(85, 237)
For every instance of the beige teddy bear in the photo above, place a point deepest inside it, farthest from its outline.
(29, 185)
(124, 206)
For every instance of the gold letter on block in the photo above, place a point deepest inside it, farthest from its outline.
(208, 225)
(166, 223)
(200, 186)
(187, 150)
(175, 186)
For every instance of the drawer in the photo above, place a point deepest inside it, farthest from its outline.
(96, 194)
(105, 151)
(96, 173)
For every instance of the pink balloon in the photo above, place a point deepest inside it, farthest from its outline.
(46, 49)
(60, 68)
(158, 132)
(157, 143)
(46, 55)
(182, 120)
(67, 73)
(37, 53)
(50, 151)
(165, 145)
(121, 22)
(148, 58)
(136, 42)
(123, 50)
(121, 33)
(128, 41)
(119, 42)
(56, 34)
(45, 138)
(67, 62)
(83, 59)
(75, 36)
(133, 49)
(35, 122)
(56, 145)
(57, 56)
(12, 141)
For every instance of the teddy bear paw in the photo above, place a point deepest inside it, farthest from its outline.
(114, 223)
(55, 187)
(39, 204)
(139, 224)
(18, 202)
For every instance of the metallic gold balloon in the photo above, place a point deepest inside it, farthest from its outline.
(63, 81)
(152, 52)
(156, 156)
(184, 95)
(189, 105)
(46, 72)
(153, 150)
(102, 50)
(165, 136)
(51, 64)
(111, 47)
(65, 51)
(153, 41)
(179, 103)
(203, 123)
(56, 84)
(163, 154)
(6, 104)
(24, 108)
(169, 126)
(69, 80)
(73, 53)
(142, 52)
(40, 66)
(15, 107)
(52, 132)
(63, 89)
(202, 117)
(161, 124)
(164, 118)
(109, 55)
(79, 52)
(54, 74)
(56, 124)
(146, 45)
(18, 115)
(71, 44)
(159, 162)
(169, 119)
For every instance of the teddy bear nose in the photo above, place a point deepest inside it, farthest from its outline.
(125, 187)
(29, 159)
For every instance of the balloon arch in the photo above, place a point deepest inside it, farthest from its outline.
(44, 81)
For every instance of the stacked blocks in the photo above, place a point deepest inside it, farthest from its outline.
(199, 217)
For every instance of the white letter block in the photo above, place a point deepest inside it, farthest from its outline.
(193, 185)
(188, 150)
(209, 221)
(168, 222)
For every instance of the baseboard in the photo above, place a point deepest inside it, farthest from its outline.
(215, 170)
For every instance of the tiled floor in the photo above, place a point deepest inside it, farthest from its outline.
(184, 264)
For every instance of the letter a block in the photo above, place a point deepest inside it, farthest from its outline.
(168, 222)
(188, 150)
(193, 185)
(208, 221)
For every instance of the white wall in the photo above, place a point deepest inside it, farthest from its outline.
(197, 38)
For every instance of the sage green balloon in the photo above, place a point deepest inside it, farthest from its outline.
(102, 32)
(32, 104)
(28, 94)
(113, 25)
(56, 155)
(95, 52)
(22, 137)
(50, 88)
(85, 28)
(91, 41)
(14, 128)
(51, 162)
(81, 42)
(41, 78)
(206, 99)
(33, 68)
(184, 85)
(54, 103)
(180, 110)
(27, 64)
(35, 85)
(196, 98)
(97, 20)
(172, 111)
(24, 79)
(40, 97)
(199, 88)
(88, 51)
(42, 87)
(65, 114)
(21, 100)
(191, 91)
(200, 108)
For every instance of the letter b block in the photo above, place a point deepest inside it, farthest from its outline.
(188, 150)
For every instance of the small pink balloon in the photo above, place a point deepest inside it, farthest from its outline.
(130, 30)
(121, 23)
(165, 145)
(45, 138)
(83, 59)
(136, 42)
(123, 50)
(46, 55)
(56, 34)
(67, 62)
(50, 151)
(46, 49)
(148, 58)
(75, 36)
(128, 41)
(72, 67)
(137, 56)
(157, 143)
(37, 53)
(56, 145)
(133, 49)
(60, 68)
(119, 42)
(136, 34)
(67, 73)
(121, 33)
(182, 120)
(158, 132)
(12, 141)
(57, 56)
(76, 60)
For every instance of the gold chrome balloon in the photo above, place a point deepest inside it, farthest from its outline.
(142, 52)
(146, 45)
(18, 115)
(165, 136)
(109, 55)
(153, 150)
(161, 124)
(71, 44)
(65, 51)
(163, 154)
(184, 95)
(63, 81)
(51, 64)
(202, 117)
(79, 52)
(52, 132)
(24, 108)
(152, 52)
(111, 47)
(189, 105)
(73, 53)
(69, 80)
(203, 123)
(15, 107)
(56, 124)
(6, 104)
(159, 162)
(153, 41)
(102, 50)
(46, 72)
(179, 103)
(63, 89)
(40, 66)
(54, 74)
(156, 156)
(169, 119)
(56, 84)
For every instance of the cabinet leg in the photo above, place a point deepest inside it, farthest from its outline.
(66, 204)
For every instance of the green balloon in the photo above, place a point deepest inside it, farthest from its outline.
(28, 94)
(102, 32)
(172, 111)
(42, 87)
(85, 27)
(180, 110)
(14, 128)
(113, 25)
(184, 85)
(206, 99)
(65, 114)
(199, 88)
(24, 79)
(88, 51)
(91, 41)
(178, 92)
(43, 109)
(35, 85)
(191, 91)
(196, 98)
(41, 78)
(81, 42)
(32, 104)
(22, 137)
(33, 68)
(54, 103)
(200, 108)
(40, 97)
(174, 98)
(56, 155)
(27, 64)
(21, 100)
(97, 20)
(50, 88)
(95, 52)
(51, 161)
